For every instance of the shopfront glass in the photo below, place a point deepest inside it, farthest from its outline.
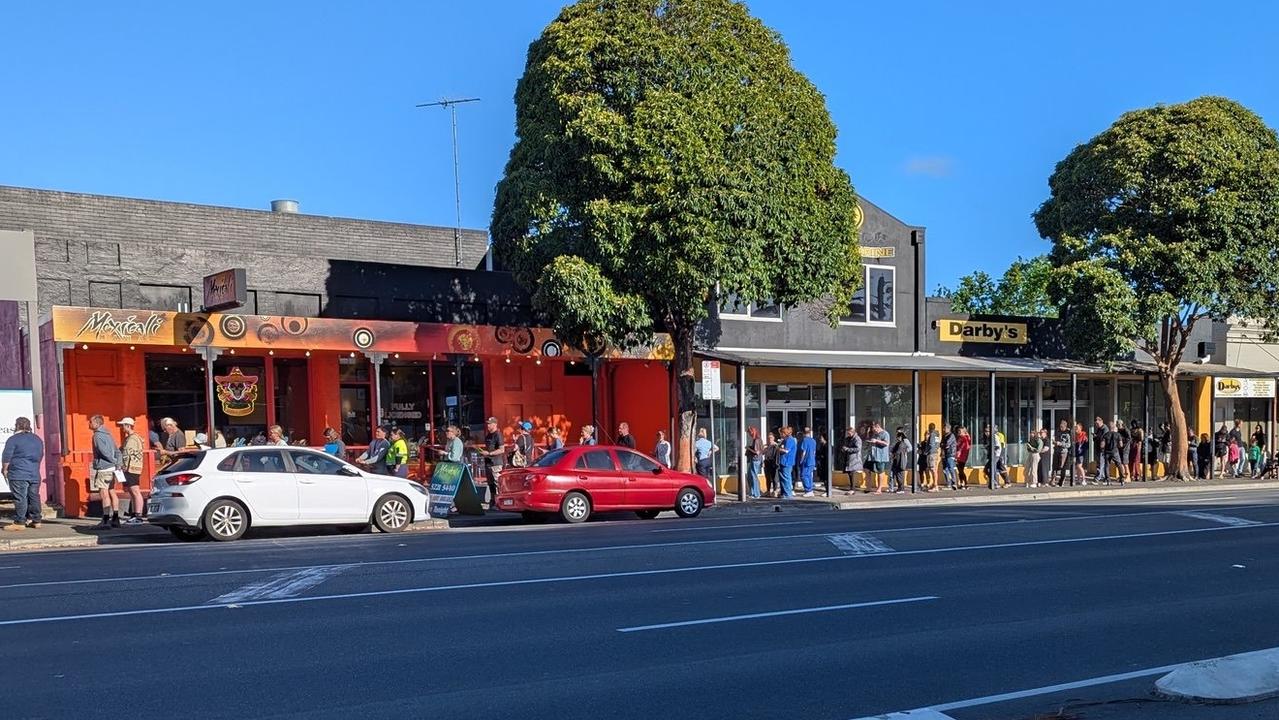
(458, 397)
(240, 402)
(292, 396)
(405, 390)
(719, 418)
(966, 403)
(176, 388)
(890, 405)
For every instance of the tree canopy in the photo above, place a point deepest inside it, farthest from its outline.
(1168, 218)
(1021, 290)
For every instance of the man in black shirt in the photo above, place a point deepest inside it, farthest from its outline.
(1099, 433)
(494, 457)
(624, 437)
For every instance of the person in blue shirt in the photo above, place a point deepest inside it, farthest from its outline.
(23, 453)
(704, 452)
(878, 466)
(786, 455)
(808, 449)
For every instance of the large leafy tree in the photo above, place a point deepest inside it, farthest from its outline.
(1168, 219)
(669, 154)
(1021, 290)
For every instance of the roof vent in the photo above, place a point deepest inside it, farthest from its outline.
(285, 206)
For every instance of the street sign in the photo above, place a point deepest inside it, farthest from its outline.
(452, 486)
(711, 388)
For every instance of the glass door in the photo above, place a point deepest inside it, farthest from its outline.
(356, 414)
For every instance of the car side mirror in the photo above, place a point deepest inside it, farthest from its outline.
(657, 470)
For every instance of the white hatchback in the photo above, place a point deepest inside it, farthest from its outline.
(220, 493)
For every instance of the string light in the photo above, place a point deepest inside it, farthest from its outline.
(508, 359)
(84, 347)
(397, 356)
(308, 353)
(538, 361)
(270, 352)
(352, 354)
(132, 347)
(475, 359)
(232, 351)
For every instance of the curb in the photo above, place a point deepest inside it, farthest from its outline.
(1231, 680)
(23, 544)
(736, 507)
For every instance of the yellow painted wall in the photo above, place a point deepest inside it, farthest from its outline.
(1200, 416)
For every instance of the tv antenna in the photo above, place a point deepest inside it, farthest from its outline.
(451, 106)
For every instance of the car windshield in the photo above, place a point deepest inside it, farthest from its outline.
(550, 458)
(185, 463)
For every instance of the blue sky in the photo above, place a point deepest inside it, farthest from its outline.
(951, 115)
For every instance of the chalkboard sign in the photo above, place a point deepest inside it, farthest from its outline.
(452, 486)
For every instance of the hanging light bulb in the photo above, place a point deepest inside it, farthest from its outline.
(397, 356)
(308, 353)
(538, 361)
(270, 352)
(132, 347)
(84, 347)
(508, 359)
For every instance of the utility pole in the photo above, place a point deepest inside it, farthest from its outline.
(451, 106)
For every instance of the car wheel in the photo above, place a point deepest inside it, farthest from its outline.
(531, 516)
(576, 507)
(689, 503)
(226, 520)
(648, 514)
(392, 514)
(186, 534)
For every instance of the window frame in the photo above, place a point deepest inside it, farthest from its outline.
(582, 464)
(300, 469)
(647, 470)
(751, 308)
(242, 457)
(865, 288)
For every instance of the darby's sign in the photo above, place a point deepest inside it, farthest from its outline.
(1229, 387)
(104, 325)
(982, 331)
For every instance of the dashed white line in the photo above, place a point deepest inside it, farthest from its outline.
(725, 527)
(1223, 519)
(777, 613)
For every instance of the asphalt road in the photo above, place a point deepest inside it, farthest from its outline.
(834, 615)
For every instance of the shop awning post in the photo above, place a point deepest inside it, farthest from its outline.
(209, 354)
(377, 358)
(1145, 423)
(992, 474)
(914, 429)
(830, 432)
(743, 437)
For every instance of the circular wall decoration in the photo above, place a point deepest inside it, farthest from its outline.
(233, 327)
(522, 339)
(503, 335)
(859, 217)
(268, 333)
(551, 348)
(293, 325)
(363, 338)
(197, 332)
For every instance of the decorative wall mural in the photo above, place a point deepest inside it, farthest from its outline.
(237, 392)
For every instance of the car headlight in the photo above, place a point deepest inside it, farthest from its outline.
(421, 488)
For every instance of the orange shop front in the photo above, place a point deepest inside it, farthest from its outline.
(239, 374)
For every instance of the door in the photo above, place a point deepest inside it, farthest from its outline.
(597, 471)
(266, 485)
(324, 493)
(644, 487)
(1052, 416)
(357, 414)
(797, 419)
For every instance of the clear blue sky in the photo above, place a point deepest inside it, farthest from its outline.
(951, 115)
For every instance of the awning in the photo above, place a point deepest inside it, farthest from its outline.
(869, 361)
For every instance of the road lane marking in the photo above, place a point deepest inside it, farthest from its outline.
(913, 715)
(632, 573)
(725, 527)
(778, 613)
(284, 585)
(1223, 519)
(858, 544)
(599, 549)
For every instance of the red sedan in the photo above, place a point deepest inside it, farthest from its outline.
(579, 480)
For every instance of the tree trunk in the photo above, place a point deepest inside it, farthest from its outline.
(687, 402)
(1178, 459)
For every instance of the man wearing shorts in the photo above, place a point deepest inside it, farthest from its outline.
(878, 466)
(102, 471)
(131, 450)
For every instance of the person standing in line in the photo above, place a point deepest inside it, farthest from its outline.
(1207, 448)
(132, 448)
(557, 438)
(522, 453)
(624, 435)
(704, 453)
(373, 459)
(106, 458)
(929, 446)
(20, 465)
(662, 450)
(754, 460)
(880, 454)
(333, 444)
(807, 461)
(1081, 454)
(1116, 446)
(1165, 445)
(963, 447)
(852, 449)
(1034, 450)
(588, 435)
(1099, 433)
(823, 453)
(1062, 452)
(1255, 456)
(770, 465)
(1233, 455)
(949, 444)
(900, 462)
(1236, 434)
(1192, 453)
(1136, 452)
(172, 440)
(1259, 437)
(787, 450)
(275, 436)
(454, 450)
(1220, 447)
(494, 453)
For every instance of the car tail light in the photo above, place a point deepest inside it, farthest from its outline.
(181, 479)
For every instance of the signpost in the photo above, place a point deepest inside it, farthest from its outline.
(712, 390)
(452, 486)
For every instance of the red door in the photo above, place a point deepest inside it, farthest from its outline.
(597, 472)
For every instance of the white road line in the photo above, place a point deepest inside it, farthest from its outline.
(725, 527)
(778, 613)
(600, 549)
(858, 544)
(10, 567)
(1223, 519)
(634, 573)
(284, 585)
(913, 715)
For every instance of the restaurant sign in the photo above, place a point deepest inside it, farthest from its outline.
(225, 290)
(109, 326)
(981, 331)
(1229, 387)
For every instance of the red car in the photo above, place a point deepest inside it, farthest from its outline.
(579, 480)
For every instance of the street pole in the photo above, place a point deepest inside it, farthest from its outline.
(451, 106)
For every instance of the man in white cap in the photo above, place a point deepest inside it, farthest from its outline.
(131, 450)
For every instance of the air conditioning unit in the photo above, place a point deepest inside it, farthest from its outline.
(1206, 349)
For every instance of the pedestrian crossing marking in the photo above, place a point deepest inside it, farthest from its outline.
(277, 587)
(858, 544)
(1223, 519)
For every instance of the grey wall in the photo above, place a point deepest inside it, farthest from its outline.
(120, 252)
(805, 327)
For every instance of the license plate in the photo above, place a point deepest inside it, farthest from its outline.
(508, 502)
(153, 507)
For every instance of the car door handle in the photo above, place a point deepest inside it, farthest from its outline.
(307, 482)
(582, 477)
(245, 480)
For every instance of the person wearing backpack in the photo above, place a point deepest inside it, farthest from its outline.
(900, 462)
(522, 452)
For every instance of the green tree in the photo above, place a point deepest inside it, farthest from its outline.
(1168, 219)
(1022, 290)
(666, 149)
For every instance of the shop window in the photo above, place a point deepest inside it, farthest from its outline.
(297, 304)
(164, 297)
(292, 395)
(240, 401)
(176, 388)
(734, 308)
(354, 369)
(458, 397)
(873, 302)
(404, 393)
(890, 405)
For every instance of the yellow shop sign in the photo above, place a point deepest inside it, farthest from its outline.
(981, 331)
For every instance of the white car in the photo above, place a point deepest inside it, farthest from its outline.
(221, 493)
